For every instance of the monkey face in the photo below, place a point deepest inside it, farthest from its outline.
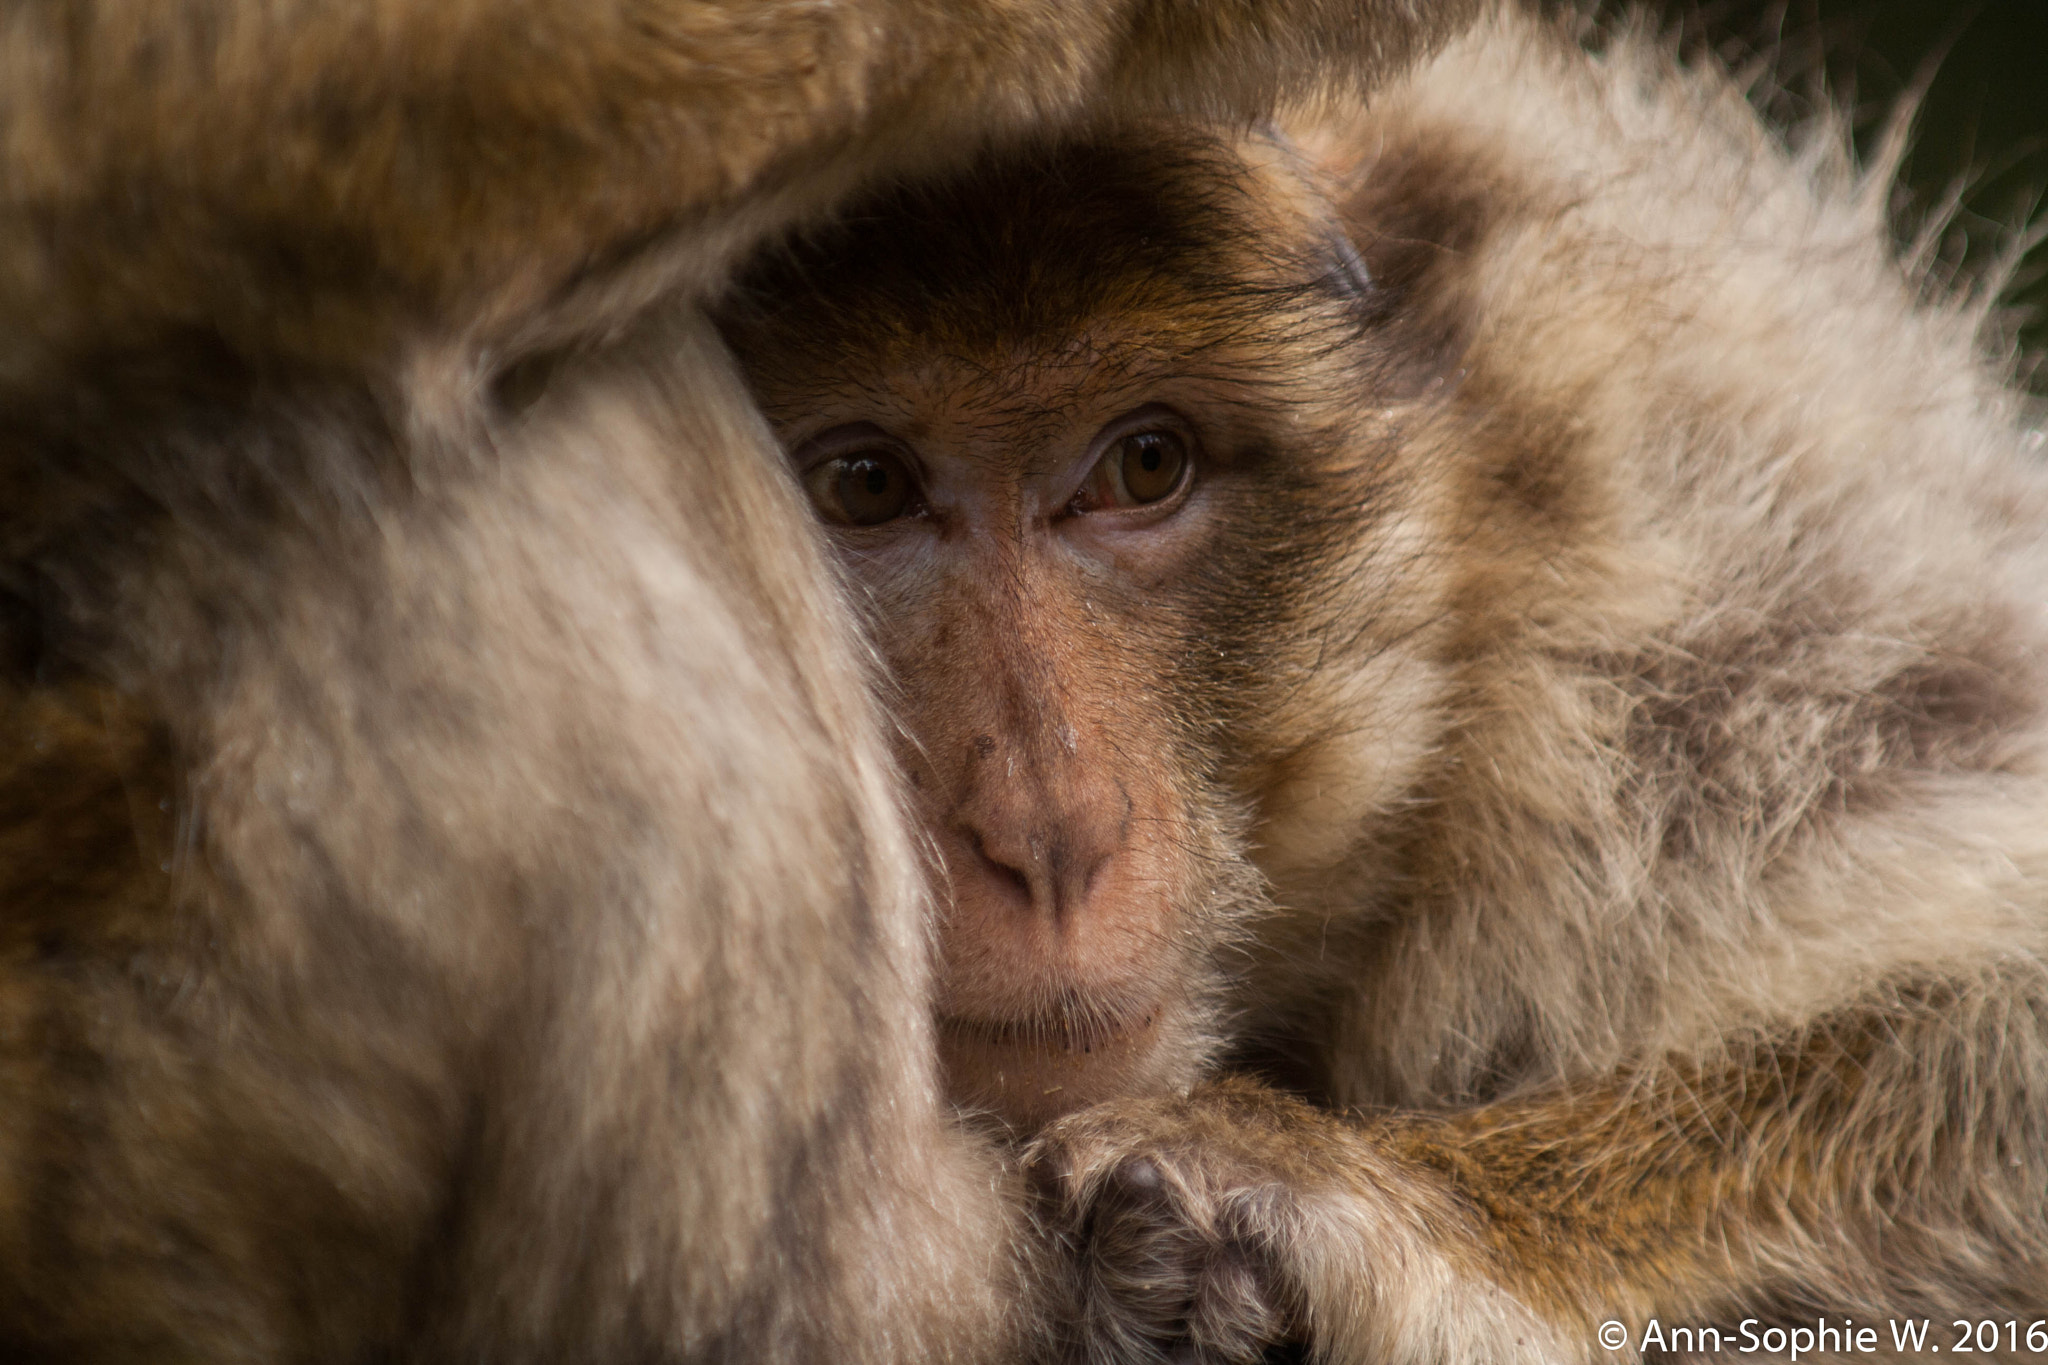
(1027, 550)
(1044, 431)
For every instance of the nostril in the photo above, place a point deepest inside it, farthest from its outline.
(997, 868)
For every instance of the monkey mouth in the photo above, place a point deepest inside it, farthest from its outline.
(1029, 1069)
(1070, 1028)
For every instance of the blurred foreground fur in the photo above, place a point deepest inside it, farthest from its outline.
(1613, 623)
(453, 903)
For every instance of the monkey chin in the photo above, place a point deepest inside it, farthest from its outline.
(1029, 1072)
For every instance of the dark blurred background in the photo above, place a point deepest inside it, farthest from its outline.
(1983, 123)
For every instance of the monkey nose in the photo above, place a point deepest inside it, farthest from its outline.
(1042, 865)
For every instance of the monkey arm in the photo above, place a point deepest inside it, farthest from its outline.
(1865, 1165)
(1239, 1217)
(1762, 1181)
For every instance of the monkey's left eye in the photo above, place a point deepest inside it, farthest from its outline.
(1139, 468)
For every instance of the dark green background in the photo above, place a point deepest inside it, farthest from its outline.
(1984, 120)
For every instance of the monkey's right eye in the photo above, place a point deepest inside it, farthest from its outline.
(862, 488)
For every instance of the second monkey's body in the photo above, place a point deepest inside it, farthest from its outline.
(1509, 621)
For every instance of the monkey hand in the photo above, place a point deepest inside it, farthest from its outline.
(1170, 1209)
(1212, 1227)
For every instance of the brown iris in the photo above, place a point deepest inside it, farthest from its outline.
(1142, 466)
(1150, 465)
(865, 488)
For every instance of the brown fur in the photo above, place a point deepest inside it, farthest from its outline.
(456, 901)
(329, 183)
(1609, 624)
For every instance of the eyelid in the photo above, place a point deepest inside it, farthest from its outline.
(1151, 417)
(846, 439)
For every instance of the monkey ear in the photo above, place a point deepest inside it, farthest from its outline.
(1318, 166)
(1348, 272)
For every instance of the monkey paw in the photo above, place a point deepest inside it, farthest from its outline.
(1176, 1215)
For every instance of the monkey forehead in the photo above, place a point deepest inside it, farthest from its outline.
(1024, 409)
(1195, 238)
(1001, 410)
(1052, 380)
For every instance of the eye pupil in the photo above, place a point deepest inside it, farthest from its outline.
(1152, 464)
(877, 479)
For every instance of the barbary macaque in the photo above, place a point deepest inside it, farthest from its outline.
(455, 905)
(1472, 666)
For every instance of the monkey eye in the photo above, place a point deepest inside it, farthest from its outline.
(1139, 468)
(862, 487)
